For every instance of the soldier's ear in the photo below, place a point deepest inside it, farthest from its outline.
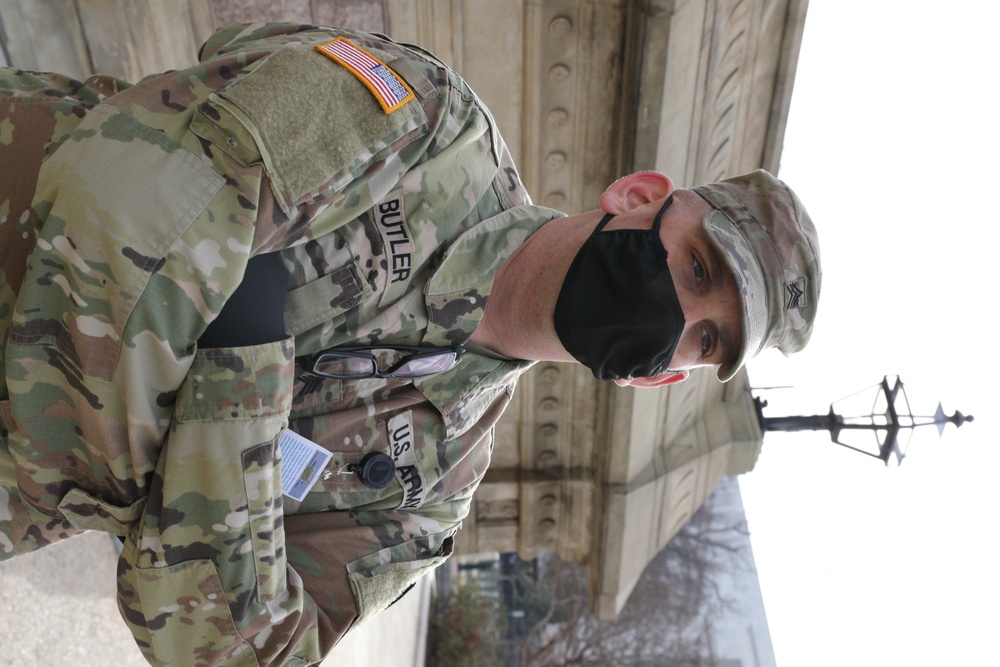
(661, 380)
(635, 190)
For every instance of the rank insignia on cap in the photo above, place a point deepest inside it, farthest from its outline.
(796, 293)
(388, 87)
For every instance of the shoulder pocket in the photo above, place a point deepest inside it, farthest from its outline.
(221, 473)
(315, 125)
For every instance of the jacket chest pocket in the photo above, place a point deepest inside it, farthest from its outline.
(398, 433)
(326, 300)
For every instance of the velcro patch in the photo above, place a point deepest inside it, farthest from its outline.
(389, 88)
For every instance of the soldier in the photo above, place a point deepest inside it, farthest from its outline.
(313, 248)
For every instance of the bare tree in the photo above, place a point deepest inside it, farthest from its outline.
(665, 620)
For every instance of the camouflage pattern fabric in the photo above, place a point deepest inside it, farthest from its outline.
(127, 217)
(770, 244)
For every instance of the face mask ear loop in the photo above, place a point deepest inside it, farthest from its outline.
(603, 223)
(659, 214)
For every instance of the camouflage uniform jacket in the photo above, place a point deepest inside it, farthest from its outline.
(127, 217)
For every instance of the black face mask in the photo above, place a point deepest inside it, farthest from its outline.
(618, 312)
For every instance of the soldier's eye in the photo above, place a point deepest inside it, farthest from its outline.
(699, 271)
(707, 343)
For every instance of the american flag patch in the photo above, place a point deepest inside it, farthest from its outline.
(388, 88)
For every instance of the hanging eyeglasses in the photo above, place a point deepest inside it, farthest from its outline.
(367, 361)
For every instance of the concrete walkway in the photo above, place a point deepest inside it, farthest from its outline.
(58, 608)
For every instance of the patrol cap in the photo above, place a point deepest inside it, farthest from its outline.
(769, 243)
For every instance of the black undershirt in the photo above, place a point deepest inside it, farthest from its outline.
(255, 313)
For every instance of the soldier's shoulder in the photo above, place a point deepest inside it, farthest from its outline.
(238, 37)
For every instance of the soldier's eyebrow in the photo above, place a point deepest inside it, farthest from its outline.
(721, 276)
(720, 270)
(729, 348)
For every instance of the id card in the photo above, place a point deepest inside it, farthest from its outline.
(302, 462)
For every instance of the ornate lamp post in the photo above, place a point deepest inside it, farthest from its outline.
(890, 415)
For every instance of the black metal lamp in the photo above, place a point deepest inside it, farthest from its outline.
(890, 416)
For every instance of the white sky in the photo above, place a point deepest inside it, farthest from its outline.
(892, 143)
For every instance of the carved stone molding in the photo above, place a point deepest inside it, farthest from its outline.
(726, 88)
(497, 510)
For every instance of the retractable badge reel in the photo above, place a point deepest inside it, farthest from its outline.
(376, 470)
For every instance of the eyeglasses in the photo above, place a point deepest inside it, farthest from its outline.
(368, 361)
